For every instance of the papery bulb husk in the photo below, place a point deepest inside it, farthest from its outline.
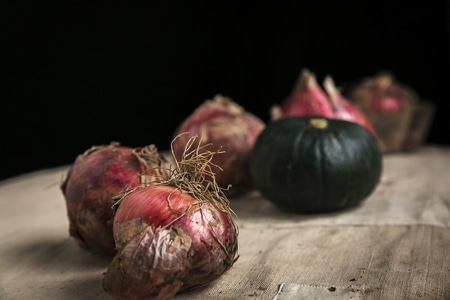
(151, 264)
(213, 233)
(399, 116)
(185, 201)
(344, 109)
(306, 99)
(223, 123)
(95, 177)
(382, 93)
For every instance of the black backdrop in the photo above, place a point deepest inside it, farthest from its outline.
(77, 75)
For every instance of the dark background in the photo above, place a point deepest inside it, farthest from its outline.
(77, 75)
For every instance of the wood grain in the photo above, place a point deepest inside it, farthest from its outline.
(396, 245)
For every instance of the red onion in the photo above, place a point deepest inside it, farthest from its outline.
(223, 122)
(344, 109)
(140, 269)
(382, 94)
(92, 181)
(189, 201)
(398, 114)
(306, 99)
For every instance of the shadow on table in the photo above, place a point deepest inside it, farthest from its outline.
(54, 254)
(254, 207)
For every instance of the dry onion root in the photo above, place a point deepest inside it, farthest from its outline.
(223, 122)
(190, 215)
(95, 177)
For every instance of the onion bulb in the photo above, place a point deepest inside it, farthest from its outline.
(309, 99)
(382, 94)
(188, 210)
(306, 99)
(95, 177)
(140, 269)
(345, 110)
(223, 122)
(400, 117)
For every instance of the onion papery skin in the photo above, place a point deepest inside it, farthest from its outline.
(382, 94)
(150, 265)
(222, 123)
(306, 99)
(345, 110)
(92, 181)
(351, 113)
(213, 231)
(400, 117)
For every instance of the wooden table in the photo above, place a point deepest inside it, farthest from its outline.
(396, 245)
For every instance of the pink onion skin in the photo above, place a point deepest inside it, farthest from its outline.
(223, 123)
(344, 109)
(309, 99)
(306, 99)
(150, 265)
(91, 182)
(389, 103)
(212, 230)
(349, 112)
(382, 94)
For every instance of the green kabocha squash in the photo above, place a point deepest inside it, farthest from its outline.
(314, 164)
